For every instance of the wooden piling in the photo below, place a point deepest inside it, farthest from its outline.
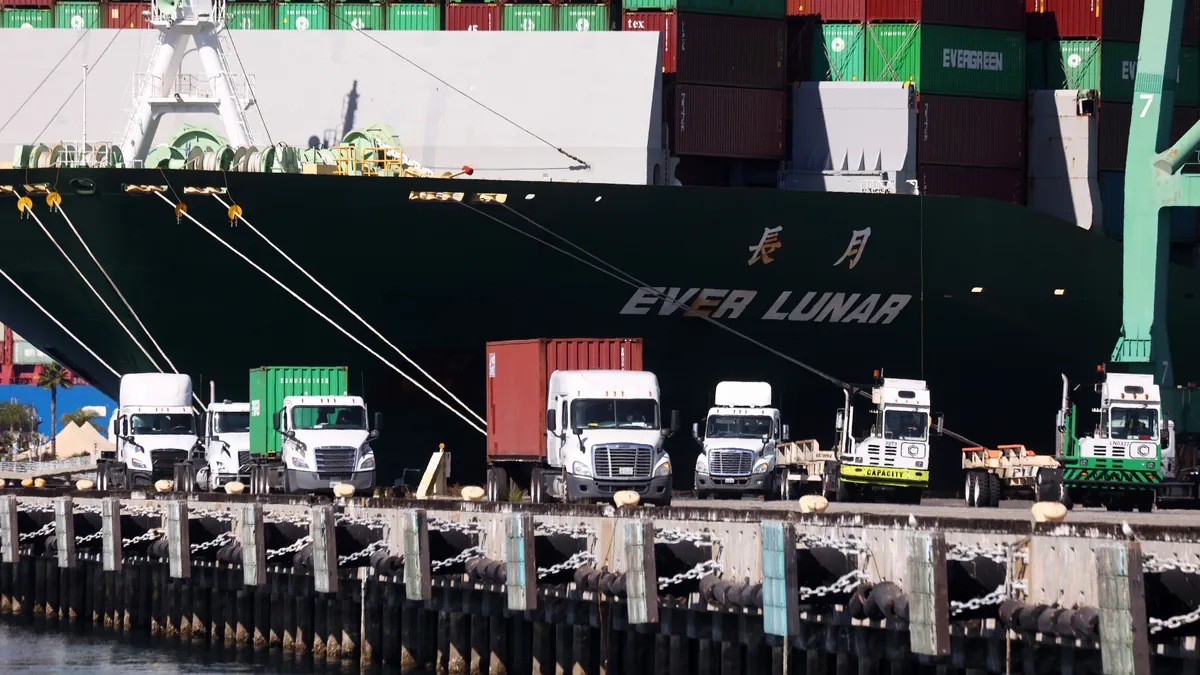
(304, 616)
(408, 638)
(245, 615)
(320, 634)
(372, 620)
(40, 582)
(543, 648)
(288, 602)
(390, 625)
(351, 608)
(262, 616)
(501, 647)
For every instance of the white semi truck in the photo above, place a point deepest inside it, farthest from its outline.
(153, 431)
(739, 440)
(226, 445)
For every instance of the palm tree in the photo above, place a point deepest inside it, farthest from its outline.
(14, 419)
(53, 377)
(82, 417)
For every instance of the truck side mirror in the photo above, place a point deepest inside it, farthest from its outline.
(696, 432)
(839, 420)
(551, 420)
(378, 422)
(675, 423)
(787, 434)
(275, 419)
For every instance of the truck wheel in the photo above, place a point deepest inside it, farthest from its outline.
(102, 477)
(497, 484)
(1145, 501)
(535, 487)
(995, 490)
(971, 489)
(785, 485)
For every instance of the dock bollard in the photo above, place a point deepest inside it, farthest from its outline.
(39, 482)
(3, 482)
(28, 482)
(235, 488)
(626, 498)
(343, 490)
(473, 493)
(1049, 512)
(164, 485)
(83, 484)
(813, 504)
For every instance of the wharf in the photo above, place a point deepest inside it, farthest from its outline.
(472, 587)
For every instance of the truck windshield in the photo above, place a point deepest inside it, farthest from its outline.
(328, 417)
(1134, 423)
(738, 426)
(233, 422)
(910, 425)
(621, 413)
(162, 424)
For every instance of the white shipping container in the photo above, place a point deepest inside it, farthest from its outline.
(25, 354)
(1062, 139)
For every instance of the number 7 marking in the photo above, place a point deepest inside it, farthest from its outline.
(1149, 99)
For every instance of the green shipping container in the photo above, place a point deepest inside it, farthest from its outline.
(26, 18)
(838, 54)
(302, 16)
(77, 15)
(528, 17)
(411, 16)
(583, 18)
(1107, 67)
(948, 60)
(768, 9)
(270, 385)
(1035, 65)
(248, 15)
(358, 17)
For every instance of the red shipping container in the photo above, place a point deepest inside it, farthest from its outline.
(829, 10)
(461, 16)
(1005, 185)
(25, 3)
(996, 14)
(982, 132)
(727, 122)
(1119, 20)
(125, 14)
(517, 380)
(728, 51)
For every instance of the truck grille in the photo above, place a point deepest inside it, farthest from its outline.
(338, 461)
(877, 456)
(623, 461)
(164, 461)
(243, 461)
(730, 462)
(1102, 451)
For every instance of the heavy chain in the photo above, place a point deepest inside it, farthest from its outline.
(365, 553)
(994, 598)
(676, 536)
(218, 541)
(574, 562)
(577, 532)
(216, 515)
(83, 539)
(46, 529)
(294, 548)
(39, 507)
(1159, 625)
(455, 526)
(698, 572)
(969, 552)
(1152, 564)
(298, 521)
(846, 583)
(848, 546)
(463, 557)
(149, 535)
(369, 523)
(141, 511)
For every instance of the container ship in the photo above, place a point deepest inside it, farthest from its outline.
(927, 188)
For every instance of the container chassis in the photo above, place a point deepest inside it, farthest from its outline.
(1007, 472)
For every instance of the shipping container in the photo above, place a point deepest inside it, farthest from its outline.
(976, 132)
(1062, 147)
(1187, 88)
(798, 66)
(302, 16)
(1191, 23)
(25, 354)
(1035, 65)
(838, 53)
(582, 18)
(527, 17)
(25, 3)
(358, 16)
(718, 50)
(829, 10)
(1106, 67)
(768, 9)
(248, 16)
(1005, 185)
(995, 14)
(728, 122)
(77, 15)
(413, 16)
(1067, 19)
(1184, 221)
(948, 60)
(26, 18)
(126, 15)
(472, 17)
(518, 375)
(270, 385)
(1113, 132)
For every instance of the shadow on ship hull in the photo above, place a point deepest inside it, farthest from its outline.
(857, 282)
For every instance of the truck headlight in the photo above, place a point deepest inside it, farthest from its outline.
(761, 467)
(663, 469)
(295, 446)
(367, 463)
(581, 469)
(298, 463)
(138, 463)
(701, 464)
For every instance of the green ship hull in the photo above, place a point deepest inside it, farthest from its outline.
(987, 301)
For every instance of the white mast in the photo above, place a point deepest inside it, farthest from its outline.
(158, 92)
(83, 150)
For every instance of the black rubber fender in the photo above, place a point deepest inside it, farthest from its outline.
(606, 583)
(1048, 619)
(706, 589)
(1064, 623)
(859, 599)
(900, 607)
(1027, 618)
(883, 595)
(618, 585)
(497, 571)
(1009, 609)
(472, 567)
(720, 589)
(1086, 623)
(758, 596)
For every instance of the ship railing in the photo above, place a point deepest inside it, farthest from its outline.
(34, 467)
(194, 86)
(73, 153)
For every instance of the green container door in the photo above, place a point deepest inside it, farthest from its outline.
(838, 54)
(27, 18)
(1187, 92)
(358, 17)
(248, 15)
(769, 9)
(1035, 65)
(948, 60)
(269, 386)
(583, 18)
(411, 16)
(302, 16)
(1108, 67)
(77, 15)
(528, 17)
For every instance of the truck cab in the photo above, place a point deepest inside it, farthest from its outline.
(153, 429)
(738, 440)
(604, 434)
(226, 445)
(894, 456)
(325, 442)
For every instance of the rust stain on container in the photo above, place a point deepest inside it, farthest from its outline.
(727, 122)
(829, 10)
(125, 14)
(518, 374)
(994, 14)
(1005, 185)
(978, 132)
(472, 17)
